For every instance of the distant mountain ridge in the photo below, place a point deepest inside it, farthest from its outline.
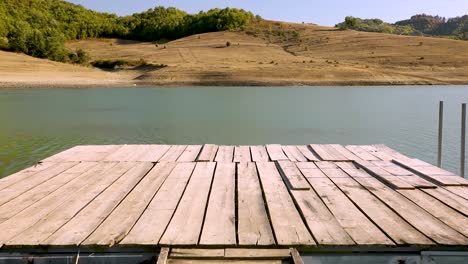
(422, 24)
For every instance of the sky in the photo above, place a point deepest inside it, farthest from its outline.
(327, 13)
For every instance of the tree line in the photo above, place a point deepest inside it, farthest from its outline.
(40, 27)
(426, 25)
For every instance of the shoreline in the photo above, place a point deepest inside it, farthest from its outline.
(214, 83)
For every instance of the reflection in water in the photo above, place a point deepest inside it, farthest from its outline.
(38, 123)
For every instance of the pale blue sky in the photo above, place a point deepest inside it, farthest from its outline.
(328, 12)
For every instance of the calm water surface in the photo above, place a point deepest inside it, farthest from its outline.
(38, 123)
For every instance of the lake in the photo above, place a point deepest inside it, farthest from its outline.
(38, 123)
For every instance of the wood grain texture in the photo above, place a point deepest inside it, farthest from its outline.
(292, 175)
(393, 225)
(173, 153)
(18, 188)
(432, 173)
(286, 221)
(153, 153)
(253, 223)
(84, 153)
(37, 193)
(384, 176)
(151, 225)
(190, 154)
(413, 214)
(104, 173)
(24, 174)
(275, 152)
(305, 150)
(328, 152)
(361, 153)
(293, 153)
(242, 154)
(454, 201)
(219, 227)
(225, 154)
(186, 224)
(439, 210)
(127, 153)
(353, 221)
(102, 198)
(461, 191)
(121, 220)
(259, 153)
(208, 152)
(321, 222)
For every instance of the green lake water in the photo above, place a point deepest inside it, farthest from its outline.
(35, 124)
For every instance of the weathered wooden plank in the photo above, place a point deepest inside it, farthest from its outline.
(275, 152)
(433, 173)
(361, 153)
(343, 151)
(242, 154)
(186, 224)
(28, 217)
(353, 221)
(310, 170)
(127, 153)
(389, 152)
(253, 224)
(84, 153)
(286, 221)
(327, 152)
(224, 261)
(384, 176)
(219, 227)
(413, 214)
(257, 253)
(153, 153)
(259, 153)
(393, 225)
(404, 174)
(190, 154)
(102, 198)
(173, 153)
(163, 255)
(225, 154)
(152, 223)
(208, 152)
(24, 174)
(293, 176)
(293, 153)
(439, 210)
(296, 257)
(352, 170)
(461, 191)
(454, 201)
(378, 153)
(35, 194)
(118, 223)
(321, 222)
(307, 153)
(18, 188)
(197, 253)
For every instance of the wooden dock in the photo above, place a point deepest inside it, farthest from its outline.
(311, 197)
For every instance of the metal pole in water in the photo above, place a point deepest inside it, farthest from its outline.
(441, 121)
(463, 139)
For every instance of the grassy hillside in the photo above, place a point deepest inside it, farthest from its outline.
(277, 53)
(40, 27)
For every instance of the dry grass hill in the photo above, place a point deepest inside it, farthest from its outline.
(266, 53)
